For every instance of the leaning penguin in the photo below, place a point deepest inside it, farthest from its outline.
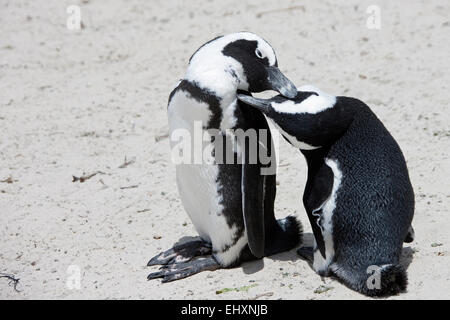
(230, 202)
(358, 194)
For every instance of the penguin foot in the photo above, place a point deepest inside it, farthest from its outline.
(178, 271)
(181, 253)
(306, 253)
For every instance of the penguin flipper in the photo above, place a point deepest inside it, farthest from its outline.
(252, 207)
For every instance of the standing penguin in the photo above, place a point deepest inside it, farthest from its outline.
(358, 195)
(230, 204)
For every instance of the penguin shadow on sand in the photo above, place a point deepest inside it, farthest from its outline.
(291, 255)
(251, 267)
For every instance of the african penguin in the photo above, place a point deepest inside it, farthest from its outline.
(230, 204)
(358, 195)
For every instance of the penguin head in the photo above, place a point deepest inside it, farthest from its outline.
(243, 59)
(309, 121)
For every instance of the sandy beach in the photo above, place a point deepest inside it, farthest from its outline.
(91, 104)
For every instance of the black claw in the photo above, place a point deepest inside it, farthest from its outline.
(152, 262)
(155, 275)
(163, 258)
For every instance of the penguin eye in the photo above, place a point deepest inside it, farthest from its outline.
(258, 53)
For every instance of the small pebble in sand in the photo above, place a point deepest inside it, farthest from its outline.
(434, 244)
(322, 289)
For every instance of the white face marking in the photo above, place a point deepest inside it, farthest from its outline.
(320, 263)
(208, 66)
(293, 140)
(312, 105)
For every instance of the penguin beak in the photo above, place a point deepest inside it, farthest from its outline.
(277, 81)
(260, 104)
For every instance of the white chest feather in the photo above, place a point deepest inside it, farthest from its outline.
(197, 180)
(327, 208)
(184, 111)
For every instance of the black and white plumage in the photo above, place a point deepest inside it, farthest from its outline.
(230, 205)
(358, 195)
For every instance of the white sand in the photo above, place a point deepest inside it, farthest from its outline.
(80, 102)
